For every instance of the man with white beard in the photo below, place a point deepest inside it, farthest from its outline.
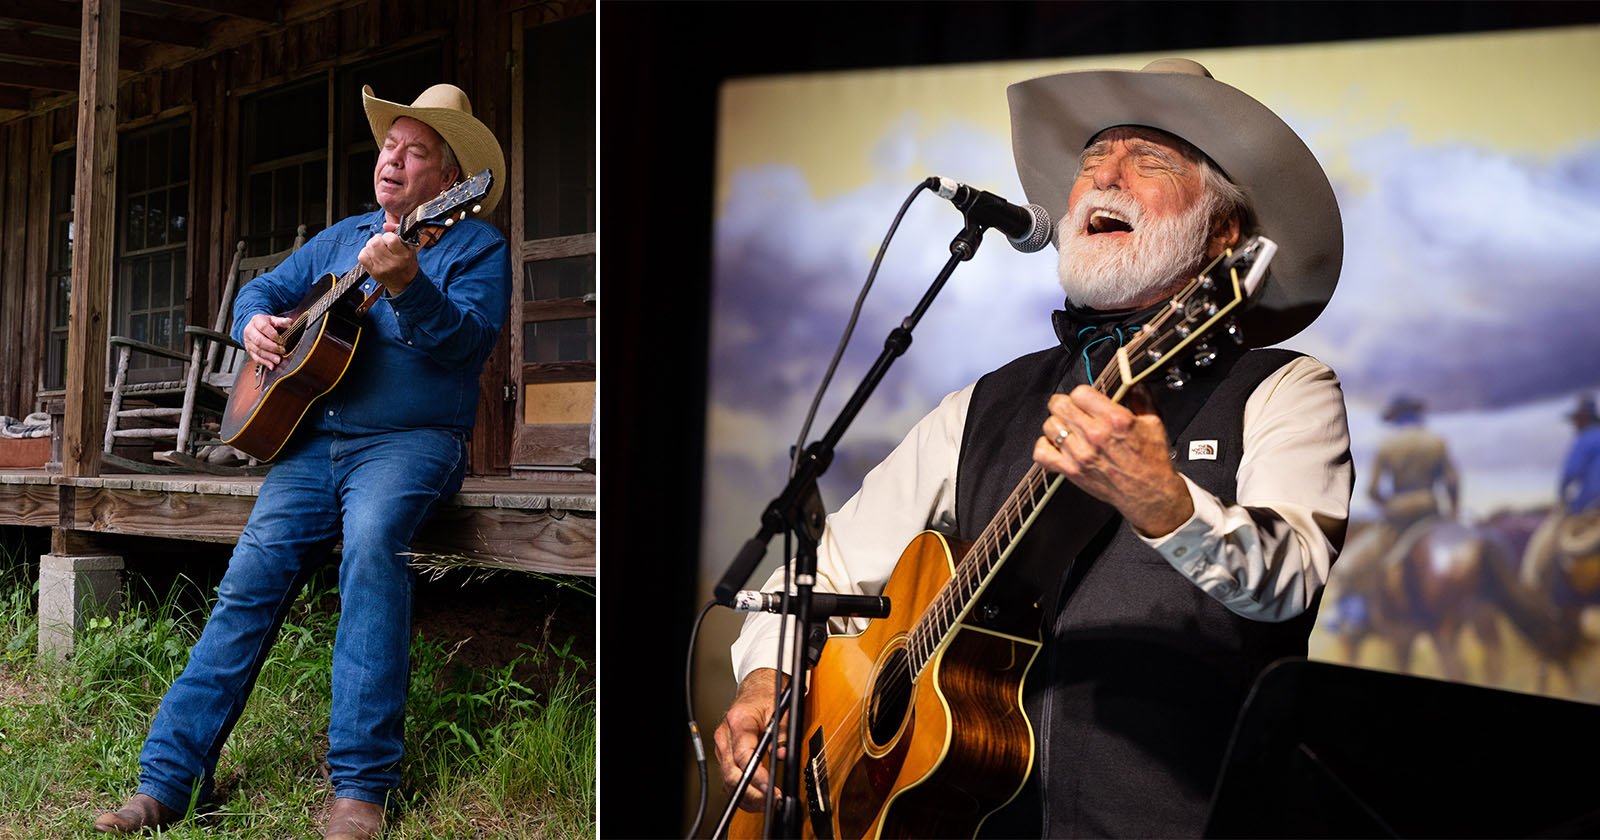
(1190, 549)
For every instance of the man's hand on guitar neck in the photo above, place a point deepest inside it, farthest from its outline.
(389, 260)
(261, 339)
(736, 737)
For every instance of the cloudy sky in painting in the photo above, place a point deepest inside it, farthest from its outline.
(1470, 281)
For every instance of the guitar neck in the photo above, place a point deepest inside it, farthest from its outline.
(344, 284)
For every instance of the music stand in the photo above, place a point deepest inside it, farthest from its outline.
(1326, 750)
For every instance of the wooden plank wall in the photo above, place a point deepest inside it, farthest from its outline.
(14, 186)
(476, 38)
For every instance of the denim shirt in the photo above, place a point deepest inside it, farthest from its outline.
(1580, 475)
(417, 362)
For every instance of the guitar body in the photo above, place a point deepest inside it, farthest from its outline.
(265, 406)
(887, 755)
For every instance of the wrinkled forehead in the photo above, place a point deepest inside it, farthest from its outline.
(1152, 136)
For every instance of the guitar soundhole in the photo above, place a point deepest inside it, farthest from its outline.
(891, 698)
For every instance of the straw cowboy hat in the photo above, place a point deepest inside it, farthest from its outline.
(1054, 117)
(446, 109)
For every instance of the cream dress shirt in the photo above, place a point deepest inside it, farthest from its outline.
(1296, 463)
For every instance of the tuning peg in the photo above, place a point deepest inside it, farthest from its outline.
(449, 221)
(1233, 331)
(1175, 379)
(1204, 355)
(476, 209)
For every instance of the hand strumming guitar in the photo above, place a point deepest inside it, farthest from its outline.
(261, 339)
(736, 737)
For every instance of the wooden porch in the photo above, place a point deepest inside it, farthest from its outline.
(95, 87)
(542, 525)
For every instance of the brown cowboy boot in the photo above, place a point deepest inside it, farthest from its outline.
(353, 819)
(141, 813)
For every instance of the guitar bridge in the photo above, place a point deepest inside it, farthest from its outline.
(816, 782)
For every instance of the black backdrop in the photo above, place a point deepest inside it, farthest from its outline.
(660, 67)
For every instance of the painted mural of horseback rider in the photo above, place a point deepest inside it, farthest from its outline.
(1412, 466)
(1563, 557)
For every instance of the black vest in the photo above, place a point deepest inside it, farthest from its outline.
(1135, 692)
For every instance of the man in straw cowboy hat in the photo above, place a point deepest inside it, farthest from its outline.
(1207, 518)
(365, 466)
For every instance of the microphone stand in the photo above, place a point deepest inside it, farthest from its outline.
(799, 510)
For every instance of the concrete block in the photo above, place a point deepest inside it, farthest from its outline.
(72, 590)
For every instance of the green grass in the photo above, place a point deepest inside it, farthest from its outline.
(489, 753)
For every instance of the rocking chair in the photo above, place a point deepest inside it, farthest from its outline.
(186, 409)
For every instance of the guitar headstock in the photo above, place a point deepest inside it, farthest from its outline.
(1186, 327)
(458, 202)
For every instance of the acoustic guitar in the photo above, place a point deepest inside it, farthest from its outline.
(265, 406)
(915, 726)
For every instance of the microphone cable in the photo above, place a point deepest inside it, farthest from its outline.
(694, 728)
(850, 326)
(794, 465)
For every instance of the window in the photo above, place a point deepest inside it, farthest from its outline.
(284, 136)
(58, 272)
(152, 265)
(287, 142)
(557, 159)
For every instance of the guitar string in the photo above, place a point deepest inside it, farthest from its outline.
(986, 552)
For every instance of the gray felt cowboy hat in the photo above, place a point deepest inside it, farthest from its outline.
(1054, 117)
(446, 109)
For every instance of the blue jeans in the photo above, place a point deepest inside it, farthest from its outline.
(372, 491)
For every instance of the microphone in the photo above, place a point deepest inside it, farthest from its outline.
(1026, 228)
(823, 604)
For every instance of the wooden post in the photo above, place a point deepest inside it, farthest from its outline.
(94, 241)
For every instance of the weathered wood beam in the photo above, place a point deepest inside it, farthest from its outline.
(47, 76)
(94, 220)
(540, 372)
(144, 27)
(39, 47)
(560, 309)
(252, 9)
(28, 500)
(36, 235)
(576, 245)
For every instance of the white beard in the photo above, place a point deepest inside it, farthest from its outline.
(1161, 254)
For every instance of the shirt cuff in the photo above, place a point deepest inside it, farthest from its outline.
(1193, 547)
(415, 305)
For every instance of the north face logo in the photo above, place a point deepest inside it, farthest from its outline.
(1202, 450)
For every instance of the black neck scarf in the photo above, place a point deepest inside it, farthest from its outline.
(1095, 335)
